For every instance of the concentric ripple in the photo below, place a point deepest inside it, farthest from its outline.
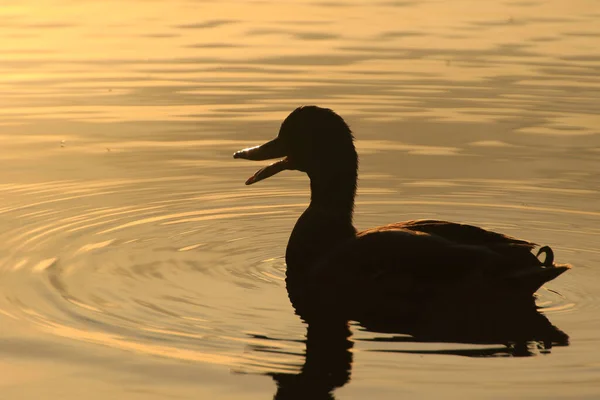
(175, 277)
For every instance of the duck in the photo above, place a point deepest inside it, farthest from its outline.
(403, 274)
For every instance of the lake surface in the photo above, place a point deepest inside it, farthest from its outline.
(135, 264)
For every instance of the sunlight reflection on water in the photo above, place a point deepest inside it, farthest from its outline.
(130, 244)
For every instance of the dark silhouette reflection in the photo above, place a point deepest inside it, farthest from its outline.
(516, 329)
(519, 327)
(327, 365)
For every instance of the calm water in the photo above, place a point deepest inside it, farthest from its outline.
(134, 263)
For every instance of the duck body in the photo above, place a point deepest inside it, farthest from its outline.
(413, 272)
(394, 274)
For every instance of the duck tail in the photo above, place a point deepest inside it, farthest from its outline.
(531, 279)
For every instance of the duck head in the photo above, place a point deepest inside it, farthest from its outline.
(311, 139)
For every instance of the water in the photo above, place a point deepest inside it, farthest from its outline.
(135, 264)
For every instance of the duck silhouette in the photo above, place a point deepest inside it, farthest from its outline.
(399, 277)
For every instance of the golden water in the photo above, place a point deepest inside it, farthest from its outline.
(134, 263)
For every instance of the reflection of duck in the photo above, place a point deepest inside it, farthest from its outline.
(399, 272)
(517, 325)
(327, 364)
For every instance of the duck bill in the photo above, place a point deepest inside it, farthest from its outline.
(267, 151)
(269, 171)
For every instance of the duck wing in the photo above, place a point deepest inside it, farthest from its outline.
(458, 233)
(518, 250)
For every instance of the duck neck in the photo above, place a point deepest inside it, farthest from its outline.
(325, 224)
(334, 196)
